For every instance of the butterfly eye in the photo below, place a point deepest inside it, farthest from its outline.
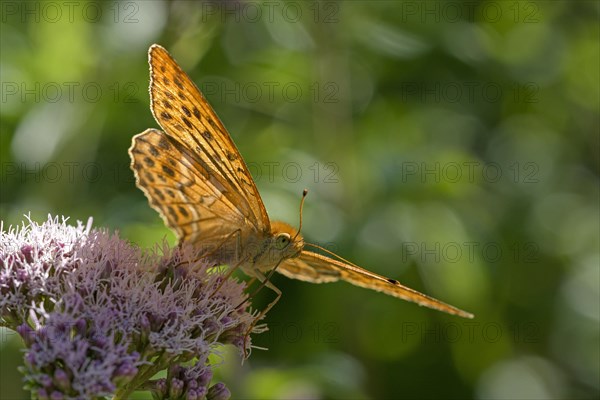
(282, 241)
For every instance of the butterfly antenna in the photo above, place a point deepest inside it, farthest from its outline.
(304, 193)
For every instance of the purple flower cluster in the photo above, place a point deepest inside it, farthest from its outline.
(100, 317)
(76, 358)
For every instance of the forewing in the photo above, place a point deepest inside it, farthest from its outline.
(182, 189)
(186, 117)
(316, 268)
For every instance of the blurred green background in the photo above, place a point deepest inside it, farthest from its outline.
(453, 146)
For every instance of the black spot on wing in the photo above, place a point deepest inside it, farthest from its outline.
(164, 143)
(177, 81)
(159, 194)
(213, 123)
(172, 213)
(168, 171)
(149, 162)
(149, 177)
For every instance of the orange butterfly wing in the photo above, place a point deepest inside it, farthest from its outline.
(177, 184)
(198, 181)
(316, 268)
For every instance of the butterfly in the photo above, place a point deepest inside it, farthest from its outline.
(194, 176)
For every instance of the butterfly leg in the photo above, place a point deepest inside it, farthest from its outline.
(228, 275)
(264, 282)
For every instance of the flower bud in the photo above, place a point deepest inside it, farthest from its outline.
(218, 392)
(176, 388)
(61, 379)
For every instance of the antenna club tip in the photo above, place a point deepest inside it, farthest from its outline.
(304, 192)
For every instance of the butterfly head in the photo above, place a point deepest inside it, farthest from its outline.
(287, 241)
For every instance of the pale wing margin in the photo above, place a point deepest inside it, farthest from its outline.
(316, 268)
